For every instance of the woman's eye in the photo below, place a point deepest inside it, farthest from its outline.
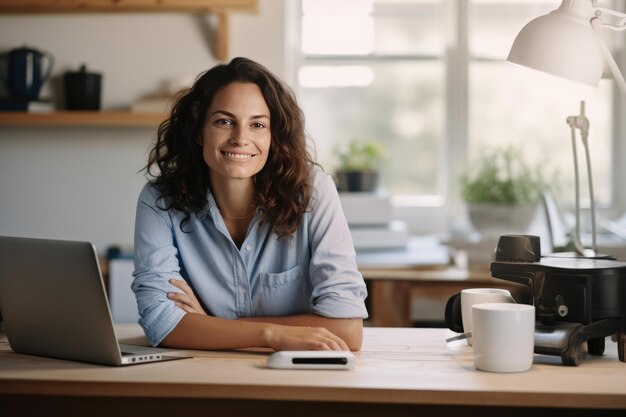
(225, 122)
(258, 125)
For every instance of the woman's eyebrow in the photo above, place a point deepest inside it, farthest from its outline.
(224, 112)
(229, 114)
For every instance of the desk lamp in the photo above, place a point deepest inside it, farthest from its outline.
(566, 43)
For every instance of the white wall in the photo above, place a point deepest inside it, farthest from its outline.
(82, 182)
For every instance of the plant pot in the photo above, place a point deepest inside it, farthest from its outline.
(497, 219)
(357, 181)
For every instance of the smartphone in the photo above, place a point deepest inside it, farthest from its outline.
(311, 359)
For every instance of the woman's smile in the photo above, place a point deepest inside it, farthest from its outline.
(238, 156)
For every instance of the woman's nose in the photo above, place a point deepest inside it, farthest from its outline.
(238, 137)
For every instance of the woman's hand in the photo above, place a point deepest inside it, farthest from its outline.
(186, 300)
(280, 337)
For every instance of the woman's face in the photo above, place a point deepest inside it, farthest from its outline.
(236, 133)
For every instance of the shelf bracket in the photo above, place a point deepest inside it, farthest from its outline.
(220, 44)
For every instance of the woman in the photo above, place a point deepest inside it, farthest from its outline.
(240, 240)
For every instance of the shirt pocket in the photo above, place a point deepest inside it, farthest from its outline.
(283, 293)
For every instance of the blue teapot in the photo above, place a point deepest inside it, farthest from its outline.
(27, 70)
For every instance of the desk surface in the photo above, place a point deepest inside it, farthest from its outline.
(400, 366)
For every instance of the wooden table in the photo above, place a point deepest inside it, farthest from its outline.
(400, 372)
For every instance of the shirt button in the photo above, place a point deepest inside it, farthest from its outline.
(248, 248)
(243, 290)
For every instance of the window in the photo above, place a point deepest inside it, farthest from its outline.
(527, 109)
(381, 66)
(428, 78)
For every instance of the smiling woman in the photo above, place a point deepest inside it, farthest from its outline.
(235, 143)
(240, 240)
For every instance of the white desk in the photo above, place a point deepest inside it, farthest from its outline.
(400, 372)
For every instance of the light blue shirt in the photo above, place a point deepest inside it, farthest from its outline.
(313, 271)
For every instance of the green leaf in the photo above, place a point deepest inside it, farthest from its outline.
(502, 176)
(360, 155)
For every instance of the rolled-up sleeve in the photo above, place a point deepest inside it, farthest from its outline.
(156, 262)
(338, 287)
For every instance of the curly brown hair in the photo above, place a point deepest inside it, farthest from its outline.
(283, 186)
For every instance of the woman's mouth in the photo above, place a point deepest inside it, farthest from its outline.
(239, 156)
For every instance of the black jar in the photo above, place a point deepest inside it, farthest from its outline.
(82, 90)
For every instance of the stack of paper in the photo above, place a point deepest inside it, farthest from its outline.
(371, 222)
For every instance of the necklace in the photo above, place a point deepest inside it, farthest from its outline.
(247, 216)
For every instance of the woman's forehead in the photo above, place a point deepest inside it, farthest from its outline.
(240, 98)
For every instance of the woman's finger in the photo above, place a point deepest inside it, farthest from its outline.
(182, 285)
(186, 300)
(304, 338)
(340, 342)
(335, 342)
(187, 297)
(179, 298)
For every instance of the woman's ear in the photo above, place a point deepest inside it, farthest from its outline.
(199, 141)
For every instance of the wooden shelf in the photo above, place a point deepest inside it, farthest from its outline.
(81, 118)
(118, 118)
(126, 6)
(221, 8)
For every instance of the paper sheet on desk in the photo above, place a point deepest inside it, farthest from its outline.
(428, 345)
(419, 252)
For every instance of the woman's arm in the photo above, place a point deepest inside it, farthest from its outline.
(197, 330)
(339, 290)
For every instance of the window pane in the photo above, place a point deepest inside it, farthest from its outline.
(409, 28)
(336, 7)
(493, 25)
(401, 108)
(528, 109)
(338, 35)
(384, 27)
(384, 82)
(525, 108)
(335, 76)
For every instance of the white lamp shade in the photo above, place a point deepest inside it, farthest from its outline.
(561, 43)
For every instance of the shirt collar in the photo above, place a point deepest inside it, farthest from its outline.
(210, 207)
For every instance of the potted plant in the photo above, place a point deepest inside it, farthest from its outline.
(358, 166)
(502, 192)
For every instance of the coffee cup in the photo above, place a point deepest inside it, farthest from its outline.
(472, 296)
(503, 337)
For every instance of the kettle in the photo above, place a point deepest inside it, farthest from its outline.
(27, 70)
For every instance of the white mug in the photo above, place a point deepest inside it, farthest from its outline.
(504, 337)
(472, 296)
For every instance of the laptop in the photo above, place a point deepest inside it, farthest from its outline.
(54, 303)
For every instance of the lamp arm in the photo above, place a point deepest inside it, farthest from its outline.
(592, 202)
(597, 25)
(578, 247)
(581, 122)
(621, 25)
